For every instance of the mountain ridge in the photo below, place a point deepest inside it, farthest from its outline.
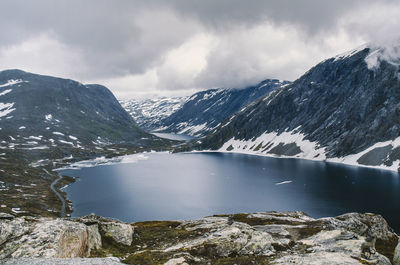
(198, 114)
(337, 109)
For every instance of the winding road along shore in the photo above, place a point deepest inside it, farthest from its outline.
(52, 187)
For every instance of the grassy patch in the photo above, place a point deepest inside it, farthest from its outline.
(157, 234)
(147, 258)
(148, 236)
(243, 260)
(246, 218)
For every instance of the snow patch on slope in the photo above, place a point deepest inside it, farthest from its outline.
(12, 82)
(352, 159)
(193, 130)
(6, 108)
(5, 92)
(269, 140)
(263, 144)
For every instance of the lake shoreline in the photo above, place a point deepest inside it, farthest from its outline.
(114, 160)
(300, 158)
(274, 175)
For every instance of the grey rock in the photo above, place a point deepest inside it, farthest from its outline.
(396, 259)
(176, 261)
(366, 224)
(46, 237)
(225, 238)
(283, 238)
(11, 229)
(340, 241)
(94, 237)
(119, 232)
(74, 261)
(6, 216)
(318, 258)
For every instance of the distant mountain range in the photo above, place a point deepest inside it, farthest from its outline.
(199, 114)
(150, 113)
(345, 109)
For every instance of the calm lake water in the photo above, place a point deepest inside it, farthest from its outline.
(193, 185)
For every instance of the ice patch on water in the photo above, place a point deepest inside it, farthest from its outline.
(284, 182)
(99, 161)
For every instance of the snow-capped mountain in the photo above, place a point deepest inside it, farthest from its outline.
(39, 114)
(205, 110)
(149, 113)
(345, 109)
(48, 122)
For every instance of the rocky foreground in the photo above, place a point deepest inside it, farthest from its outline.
(259, 238)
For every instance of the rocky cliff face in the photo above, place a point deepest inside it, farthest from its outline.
(345, 109)
(259, 238)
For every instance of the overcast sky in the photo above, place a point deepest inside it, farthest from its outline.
(154, 48)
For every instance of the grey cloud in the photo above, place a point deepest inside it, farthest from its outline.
(120, 38)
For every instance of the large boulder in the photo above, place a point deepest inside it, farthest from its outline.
(365, 224)
(225, 238)
(121, 233)
(46, 237)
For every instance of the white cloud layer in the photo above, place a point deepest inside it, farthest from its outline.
(155, 48)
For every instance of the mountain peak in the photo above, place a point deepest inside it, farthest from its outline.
(377, 52)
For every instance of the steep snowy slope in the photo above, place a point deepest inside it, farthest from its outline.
(345, 109)
(205, 110)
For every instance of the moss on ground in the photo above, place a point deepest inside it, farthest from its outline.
(148, 258)
(156, 234)
(245, 218)
(151, 235)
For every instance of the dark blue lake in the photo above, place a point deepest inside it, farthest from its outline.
(193, 185)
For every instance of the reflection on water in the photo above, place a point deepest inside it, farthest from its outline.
(187, 186)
